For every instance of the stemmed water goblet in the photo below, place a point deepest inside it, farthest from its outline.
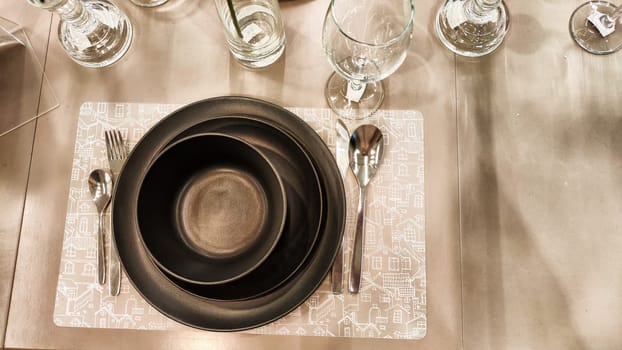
(472, 28)
(365, 41)
(93, 33)
(593, 27)
(148, 3)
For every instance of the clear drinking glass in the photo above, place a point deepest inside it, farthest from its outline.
(94, 33)
(472, 28)
(254, 30)
(593, 27)
(365, 41)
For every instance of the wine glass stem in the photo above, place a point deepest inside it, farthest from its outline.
(616, 14)
(75, 14)
(355, 90)
(355, 85)
(481, 8)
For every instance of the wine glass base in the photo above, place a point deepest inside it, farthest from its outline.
(336, 92)
(585, 33)
(148, 3)
(114, 33)
(467, 35)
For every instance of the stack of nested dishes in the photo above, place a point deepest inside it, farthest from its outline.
(228, 213)
(211, 208)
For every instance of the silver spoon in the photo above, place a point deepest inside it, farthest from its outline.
(366, 147)
(100, 185)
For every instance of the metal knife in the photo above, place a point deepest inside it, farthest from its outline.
(342, 140)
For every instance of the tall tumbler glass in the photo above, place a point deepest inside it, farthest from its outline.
(254, 30)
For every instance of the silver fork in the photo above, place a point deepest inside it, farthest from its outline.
(117, 153)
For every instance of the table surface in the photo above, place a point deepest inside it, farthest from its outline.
(522, 228)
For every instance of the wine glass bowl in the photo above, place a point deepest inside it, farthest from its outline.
(365, 41)
(585, 33)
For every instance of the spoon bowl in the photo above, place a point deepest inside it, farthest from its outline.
(366, 151)
(100, 186)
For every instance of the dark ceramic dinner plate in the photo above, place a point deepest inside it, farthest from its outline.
(304, 207)
(211, 208)
(226, 315)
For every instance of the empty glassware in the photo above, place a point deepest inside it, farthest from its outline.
(472, 28)
(365, 41)
(148, 3)
(94, 33)
(254, 30)
(593, 27)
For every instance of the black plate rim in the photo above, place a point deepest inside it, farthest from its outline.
(238, 315)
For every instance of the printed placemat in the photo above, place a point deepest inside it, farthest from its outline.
(392, 300)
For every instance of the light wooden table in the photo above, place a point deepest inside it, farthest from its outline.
(522, 174)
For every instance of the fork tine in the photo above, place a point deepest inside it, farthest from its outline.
(108, 138)
(124, 150)
(115, 143)
(120, 145)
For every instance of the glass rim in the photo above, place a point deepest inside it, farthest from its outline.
(407, 27)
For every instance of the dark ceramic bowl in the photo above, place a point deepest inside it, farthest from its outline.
(305, 207)
(211, 208)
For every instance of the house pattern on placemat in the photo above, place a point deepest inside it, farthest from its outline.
(392, 300)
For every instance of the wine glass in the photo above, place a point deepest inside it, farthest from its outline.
(472, 28)
(148, 3)
(93, 33)
(593, 27)
(365, 41)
